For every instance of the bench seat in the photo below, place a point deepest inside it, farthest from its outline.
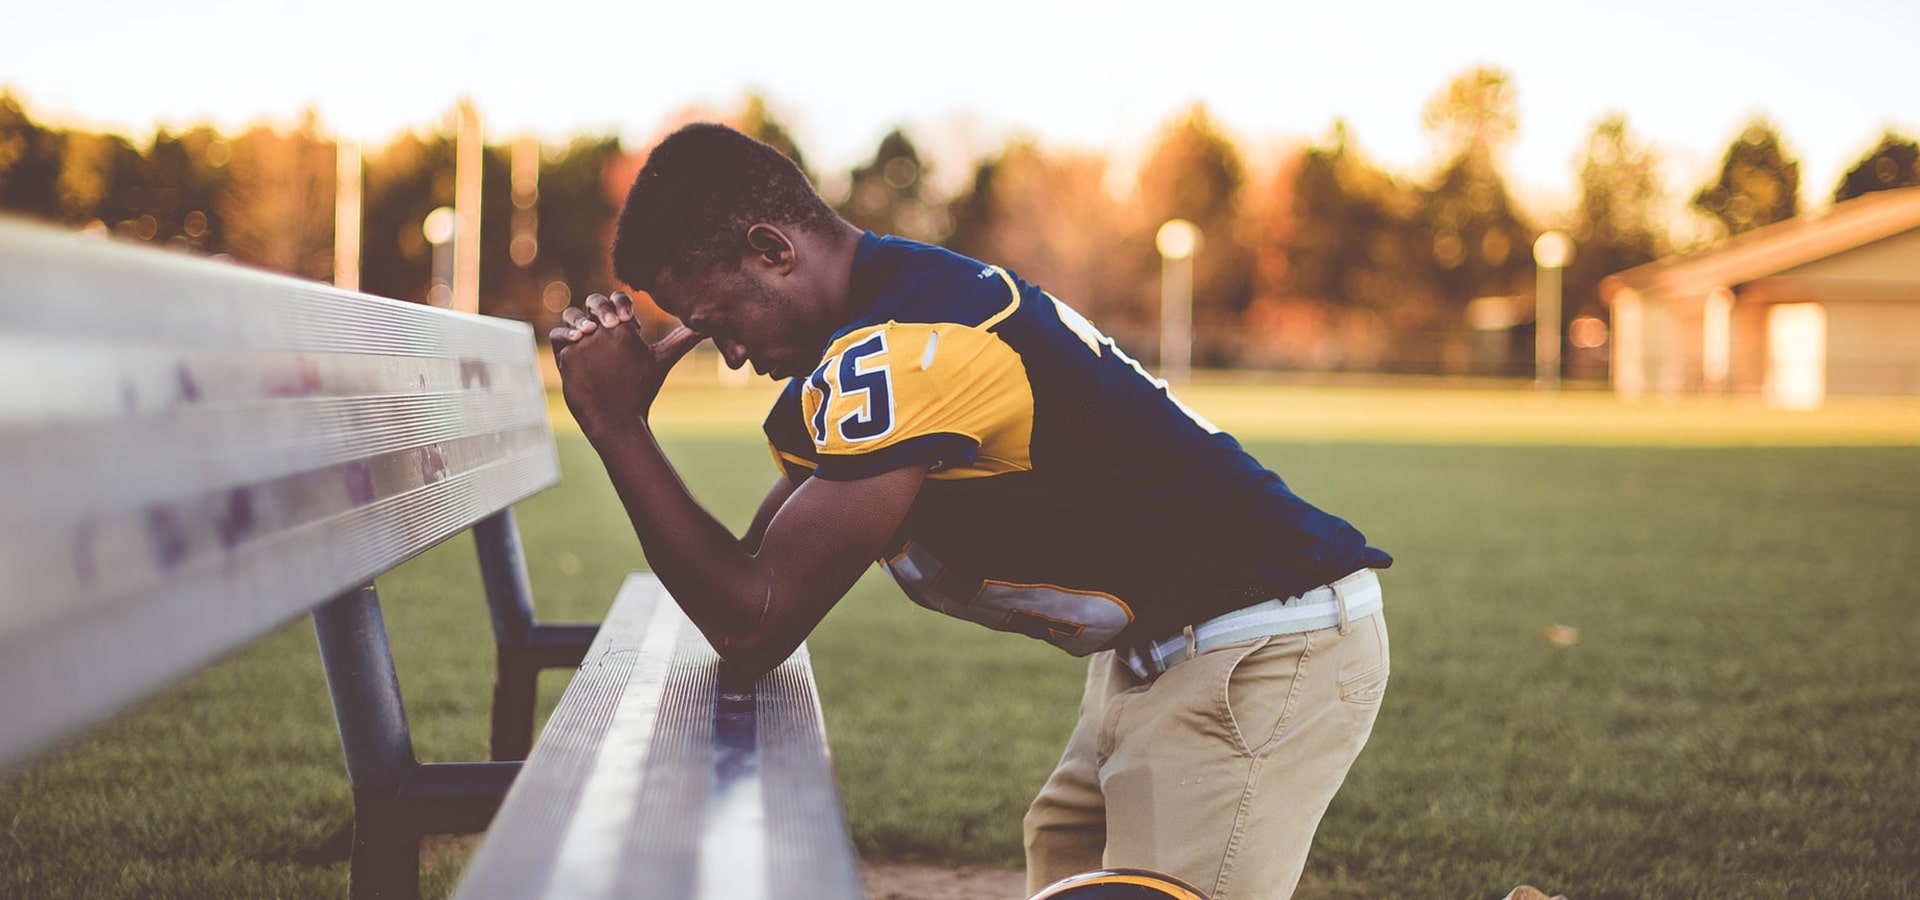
(661, 775)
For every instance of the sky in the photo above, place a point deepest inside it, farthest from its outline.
(962, 77)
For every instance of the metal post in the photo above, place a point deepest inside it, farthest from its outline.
(374, 736)
(503, 569)
(468, 154)
(1552, 251)
(346, 216)
(1178, 240)
(523, 646)
(1546, 338)
(516, 679)
(438, 227)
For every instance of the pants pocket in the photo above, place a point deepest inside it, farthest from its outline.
(1259, 688)
(1363, 679)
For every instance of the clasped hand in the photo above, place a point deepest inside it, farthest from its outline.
(609, 374)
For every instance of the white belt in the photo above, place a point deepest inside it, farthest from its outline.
(1329, 606)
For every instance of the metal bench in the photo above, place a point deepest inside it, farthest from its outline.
(722, 790)
(195, 454)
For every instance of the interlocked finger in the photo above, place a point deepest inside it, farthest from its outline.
(579, 319)
(601, 311)
(623, 305)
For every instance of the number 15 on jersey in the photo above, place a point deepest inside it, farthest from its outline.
(853, 394)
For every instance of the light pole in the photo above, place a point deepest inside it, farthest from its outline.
(1178, 240)
(1552, 251)
(467, 155)
(438, 229)
(346, 214)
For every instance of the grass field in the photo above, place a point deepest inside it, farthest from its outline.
(1735, 719)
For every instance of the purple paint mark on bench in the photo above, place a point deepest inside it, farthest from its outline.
(474, 371)
(299, 378)
(359, 476)
(168, 537)
(236, 520)
(189, 388)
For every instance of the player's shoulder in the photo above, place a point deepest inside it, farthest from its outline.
(926, 284)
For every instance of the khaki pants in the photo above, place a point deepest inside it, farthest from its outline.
(1218, 770)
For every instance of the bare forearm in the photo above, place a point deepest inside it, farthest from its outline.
(609, 376)
(714, 577)
(756, 600)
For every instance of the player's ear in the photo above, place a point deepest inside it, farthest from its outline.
(769, 246)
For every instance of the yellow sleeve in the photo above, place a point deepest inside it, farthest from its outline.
(948, 396)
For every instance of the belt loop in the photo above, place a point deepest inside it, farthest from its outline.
(1191, 643)
(1340, 603)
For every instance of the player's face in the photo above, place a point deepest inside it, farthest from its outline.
(748, 317)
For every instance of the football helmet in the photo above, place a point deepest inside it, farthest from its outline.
(1120, 884)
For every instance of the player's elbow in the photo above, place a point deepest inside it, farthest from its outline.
(754, 653)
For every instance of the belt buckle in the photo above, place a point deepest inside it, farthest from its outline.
(1140, 665)
(1152, 658)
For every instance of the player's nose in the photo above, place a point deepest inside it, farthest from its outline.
(732, 351)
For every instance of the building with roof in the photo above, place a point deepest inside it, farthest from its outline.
(1827, 302)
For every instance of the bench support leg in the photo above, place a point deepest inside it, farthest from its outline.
(379, 748)
(386, 856)
(524, 646)
(396, 799)
(503, 570)
(516, 687)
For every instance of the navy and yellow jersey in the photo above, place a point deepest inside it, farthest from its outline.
(1070, 497)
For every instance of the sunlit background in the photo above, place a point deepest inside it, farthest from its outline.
(1368, 179)
(1543, 297)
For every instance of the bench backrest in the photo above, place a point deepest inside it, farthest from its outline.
(194, 453)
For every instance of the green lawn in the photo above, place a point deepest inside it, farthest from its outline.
(1736, 718)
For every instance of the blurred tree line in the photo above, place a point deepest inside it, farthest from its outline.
(265, 197)
(1323, 261)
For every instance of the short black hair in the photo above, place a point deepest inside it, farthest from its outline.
(697, 195)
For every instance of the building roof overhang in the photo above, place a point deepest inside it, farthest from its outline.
(1770, 250)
